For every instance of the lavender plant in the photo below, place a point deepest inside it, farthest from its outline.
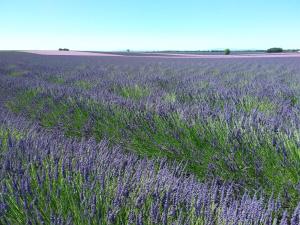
(149, 141)
(51, 179)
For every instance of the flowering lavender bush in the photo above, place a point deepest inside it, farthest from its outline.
(139, 141)
(54, 180)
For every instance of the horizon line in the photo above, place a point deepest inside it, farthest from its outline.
(165, 50)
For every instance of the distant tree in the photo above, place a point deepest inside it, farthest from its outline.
(128, 50)
(274, 50)
(227, 51)
(63, 49)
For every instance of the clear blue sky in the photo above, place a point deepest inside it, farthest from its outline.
(149, 24)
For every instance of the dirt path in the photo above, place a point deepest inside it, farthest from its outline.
(71, 53)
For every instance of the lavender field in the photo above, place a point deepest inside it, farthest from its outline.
(139, 140)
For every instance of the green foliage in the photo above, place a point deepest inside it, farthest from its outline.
(204, 145)
(65, 193)
(274, 50)
(22, 101)
(227, 51)
(84, 84)
(249, 103)
(55, 115)
(75, 122)
(5, 134)
(64, 197)
(17, 73)
(170, 97)
(294, 100)
(134, 92)
(56, 80)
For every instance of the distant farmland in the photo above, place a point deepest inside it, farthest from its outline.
(171, 54)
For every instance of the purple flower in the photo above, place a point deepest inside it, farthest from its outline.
(284, 218)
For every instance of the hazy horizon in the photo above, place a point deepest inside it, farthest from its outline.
(149, 26)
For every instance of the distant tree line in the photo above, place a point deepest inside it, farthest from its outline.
(63, 49)
(274, 50)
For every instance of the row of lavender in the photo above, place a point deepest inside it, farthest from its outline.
(231, 88)
(49, 179)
